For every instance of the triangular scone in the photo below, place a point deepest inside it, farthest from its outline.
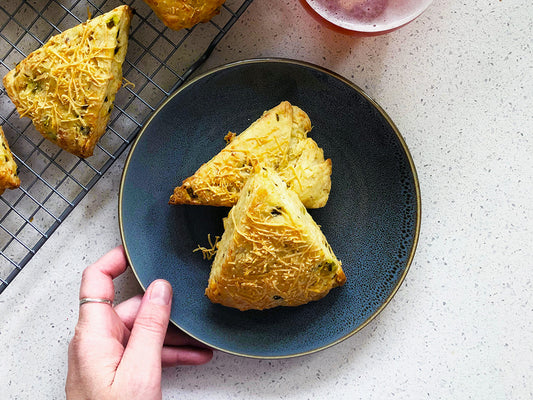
(8, 168)
(219, 181)
(278, 140)
(180, 14)
(67, 87)
(272, 252)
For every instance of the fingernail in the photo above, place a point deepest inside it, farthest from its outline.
(161, 293)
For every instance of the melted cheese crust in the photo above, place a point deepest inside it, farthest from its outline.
(278, 140)
(219, 181)
(8, 168)
(272, 253)
(67, 87)
(180, 14)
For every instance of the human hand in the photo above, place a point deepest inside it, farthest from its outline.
(118, 352)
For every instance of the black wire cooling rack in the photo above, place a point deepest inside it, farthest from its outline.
(158, 61)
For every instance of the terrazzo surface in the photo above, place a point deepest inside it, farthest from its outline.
(458, 83)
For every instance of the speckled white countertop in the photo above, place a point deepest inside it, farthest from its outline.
(458, 82)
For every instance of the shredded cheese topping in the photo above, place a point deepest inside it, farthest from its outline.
(209, 253)
(278, 140)
(68, 85)
(272, 253)
(8, 168)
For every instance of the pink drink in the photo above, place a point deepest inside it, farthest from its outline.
(368, 16)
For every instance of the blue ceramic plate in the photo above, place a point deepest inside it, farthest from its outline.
(371, 220)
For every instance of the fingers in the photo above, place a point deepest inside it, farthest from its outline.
(179, 348)
(127, 312)
(97, 282)
(128, 309)
(143, 352)
(172, 356)
(97, 279)
(175, 337)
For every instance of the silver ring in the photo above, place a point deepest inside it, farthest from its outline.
(95, 300)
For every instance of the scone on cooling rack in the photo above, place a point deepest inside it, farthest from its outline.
(8, 168)
(67, 87)
(181, 14)
(272, 252)
(277, 140)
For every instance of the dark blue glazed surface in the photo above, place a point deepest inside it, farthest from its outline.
(371, 220)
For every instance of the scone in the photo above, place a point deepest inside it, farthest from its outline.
(277, 140)
(8, 168)
(272, 252)
(67, 87)
(180, 14)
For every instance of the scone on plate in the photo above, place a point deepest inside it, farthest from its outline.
(277, 140)
(307, 173)
(67, 87)
(180, 14)
(272, 252)
(8, 168)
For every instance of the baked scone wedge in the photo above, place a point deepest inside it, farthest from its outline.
(67, 87)
(308, 173)
(272, 252)
(8, 167)
(277, 140)
(180, 14)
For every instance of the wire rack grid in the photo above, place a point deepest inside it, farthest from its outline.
(158, 61)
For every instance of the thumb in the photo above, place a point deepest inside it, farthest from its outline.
(142, 356)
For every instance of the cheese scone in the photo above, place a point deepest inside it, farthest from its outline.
(277, 140)
(8, 168)
(272, 252)
(180, 14)
(67, 87)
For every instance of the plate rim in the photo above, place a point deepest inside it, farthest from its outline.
(391, 123)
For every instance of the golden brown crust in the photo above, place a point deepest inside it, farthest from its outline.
(309, 175)
(219, 181)
(272, 253)
(277, 140)
(67, 87)
(8, 168)
(180, 14)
